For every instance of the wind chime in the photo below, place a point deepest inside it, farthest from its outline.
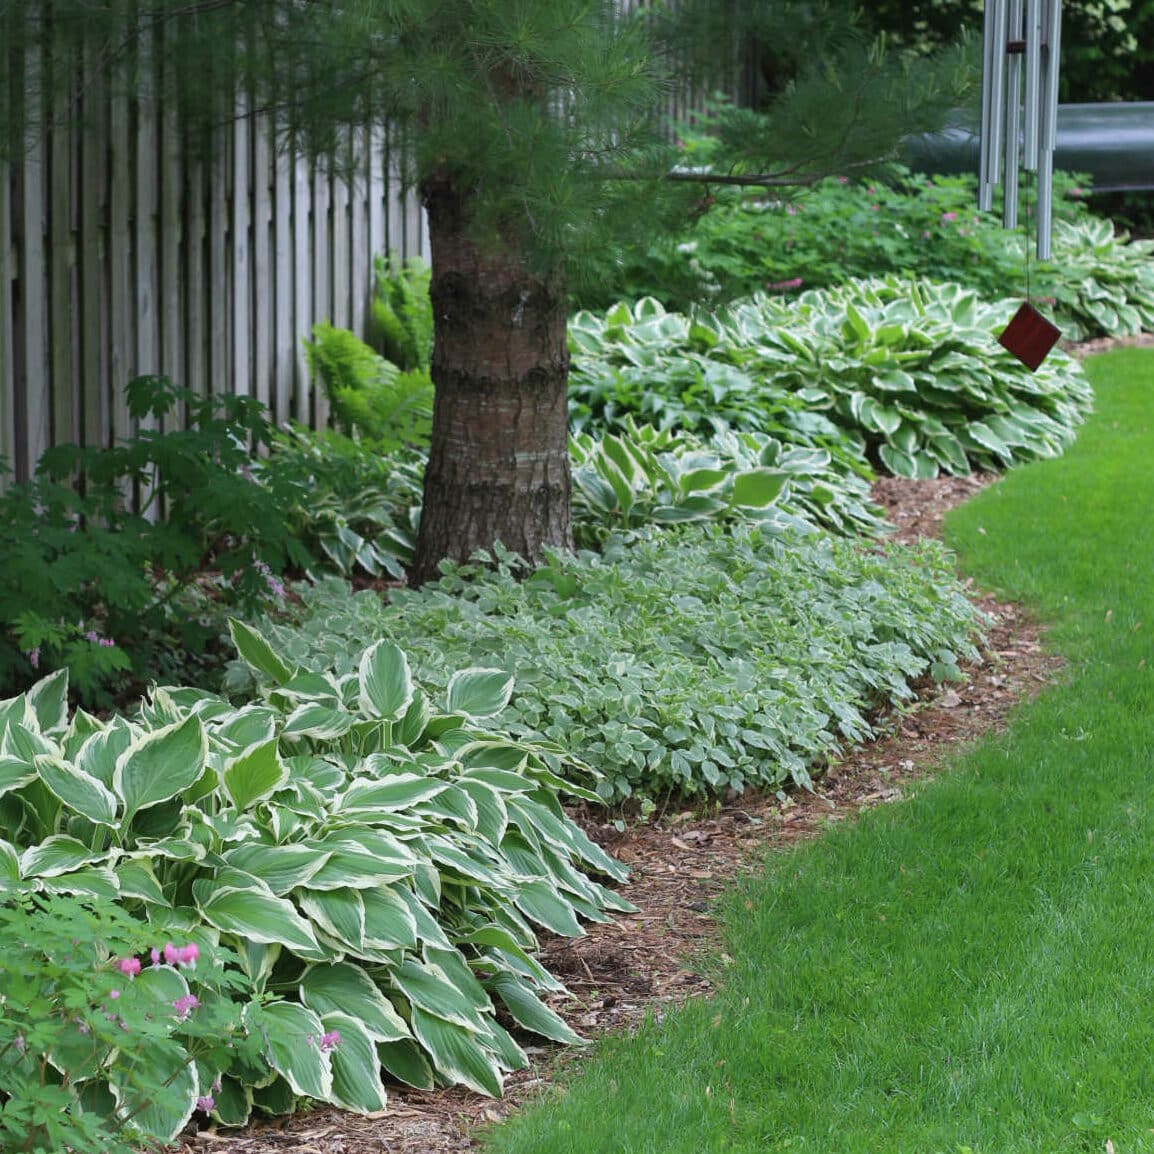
(1017, 133)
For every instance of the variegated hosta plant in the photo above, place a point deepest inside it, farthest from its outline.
(377, 864)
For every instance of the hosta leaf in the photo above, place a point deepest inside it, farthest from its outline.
(162, 1116)
(357, 1081)
(406, 1062)
(137, 880)
(895, 381)
(97, 881)
(757, 488)
(15, 773)
(541, 902)
(338, 913)
(479, 693)
(257, 652)
(49, 701)
(257, 774)
(390, 922)
(98, 755)
(232, 1102)
(58, 854)
(386, 685)
(429, 987)
(457, 1054)
(281, 867)
(401, 791)
(344, 988)
(160, 766)
(9, 864)
(292, 1035)
(899, 463)
(261, 917)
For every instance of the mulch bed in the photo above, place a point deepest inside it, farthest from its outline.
(681, 862)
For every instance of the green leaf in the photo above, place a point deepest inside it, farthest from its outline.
(81, 793)
(401, 791)
(59, 854)
(255, 775)
(281, 867)
(292, 1036)
(98, 755)
(344, 988)
(429, 987)
(357, 1081)
(160, 766)
(406, 1062)
(456, 1053)
(386, 685)
(479, 693)
(339, 913)
(261, 917)
(257, 652)
(164, 1115)
(757, 488)
(15, 773)
(49, 701)
(541, 902)
(137, 880)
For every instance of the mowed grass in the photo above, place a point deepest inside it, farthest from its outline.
(972, 969)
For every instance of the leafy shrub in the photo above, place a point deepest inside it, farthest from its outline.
(910, 369)
(686, 662)
(643, 476)
(370, 395)
(76, 990)
(356, 508)
(402, 314)
(115, 594)
(379, 863)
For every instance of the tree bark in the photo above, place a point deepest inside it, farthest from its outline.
(498, 460)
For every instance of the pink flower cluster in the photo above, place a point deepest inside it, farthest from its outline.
(784, 285)
(185, 1005)
(172, 955)
(96, 639)
(329, 1041)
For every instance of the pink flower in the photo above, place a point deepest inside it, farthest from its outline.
(154, 954)
(791, 209)
(130, 967)
(873, 208)
(205, 1103)
(114, 994)
(34, 657)
(1076, 192)
(783, 285)
(184, 1006)
(106, 643)
(949, 217)
(92, 636)
(171, 954)
(188, 955)
(843, 180)
(926, 235)
(330, 1041)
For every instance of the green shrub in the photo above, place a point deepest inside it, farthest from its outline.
(378, 862)
(371, 396)
(402, 314)
(909, 369)
(687, 662)
(117, 595)
(103, 1048)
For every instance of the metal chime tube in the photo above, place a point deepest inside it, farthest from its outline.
(1013, 126)
(989, 65)
(1048, 131)
(1034, 9)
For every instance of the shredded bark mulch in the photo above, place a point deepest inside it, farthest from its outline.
(681, 861)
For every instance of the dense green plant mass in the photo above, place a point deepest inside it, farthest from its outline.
(117, 595)
(1097, 282)
(102, 1052)
(372, 396)
(643, 476)
(402, 314)
(687, 662)
(909, 369)
(378, 862)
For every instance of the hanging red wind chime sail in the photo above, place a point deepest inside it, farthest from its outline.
(1021, 133)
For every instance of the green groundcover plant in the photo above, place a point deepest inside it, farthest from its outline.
(911, 370)
(687, 662)
(1097, 283)
(378, 864)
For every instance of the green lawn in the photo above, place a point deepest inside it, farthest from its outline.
(972, 969)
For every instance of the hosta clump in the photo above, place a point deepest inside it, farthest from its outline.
(689, 661)
(379, 864)
(644, 476)
(914, 368)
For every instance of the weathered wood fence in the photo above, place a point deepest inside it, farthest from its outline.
(124, 252)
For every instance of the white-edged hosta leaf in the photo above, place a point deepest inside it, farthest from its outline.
(457, 1053)
(79, 792)
(23, 742)
(49, 701)
(406, 1061)
(356, 1068)
(97, 881)
(479, 693)
(757, 488)
(385, 682)
(148, 1062)
(292, 1035)
(428, 986)
(390, 922)
(9, 864)
(15, 773)
(257, 652)
(58, 854)
(529, 1012)
(98, 755)
(255, 775)
(136, 880)
(399, 791)
(281, 867)
(253, 725)
(319, 721)
(343, 988)
(261, 917)
(339, 913)
(232, 1102)
(541, 902)
(160, 766)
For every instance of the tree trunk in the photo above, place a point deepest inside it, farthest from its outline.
(498, 461)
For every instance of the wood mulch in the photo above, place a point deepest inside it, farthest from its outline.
(680, 863)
